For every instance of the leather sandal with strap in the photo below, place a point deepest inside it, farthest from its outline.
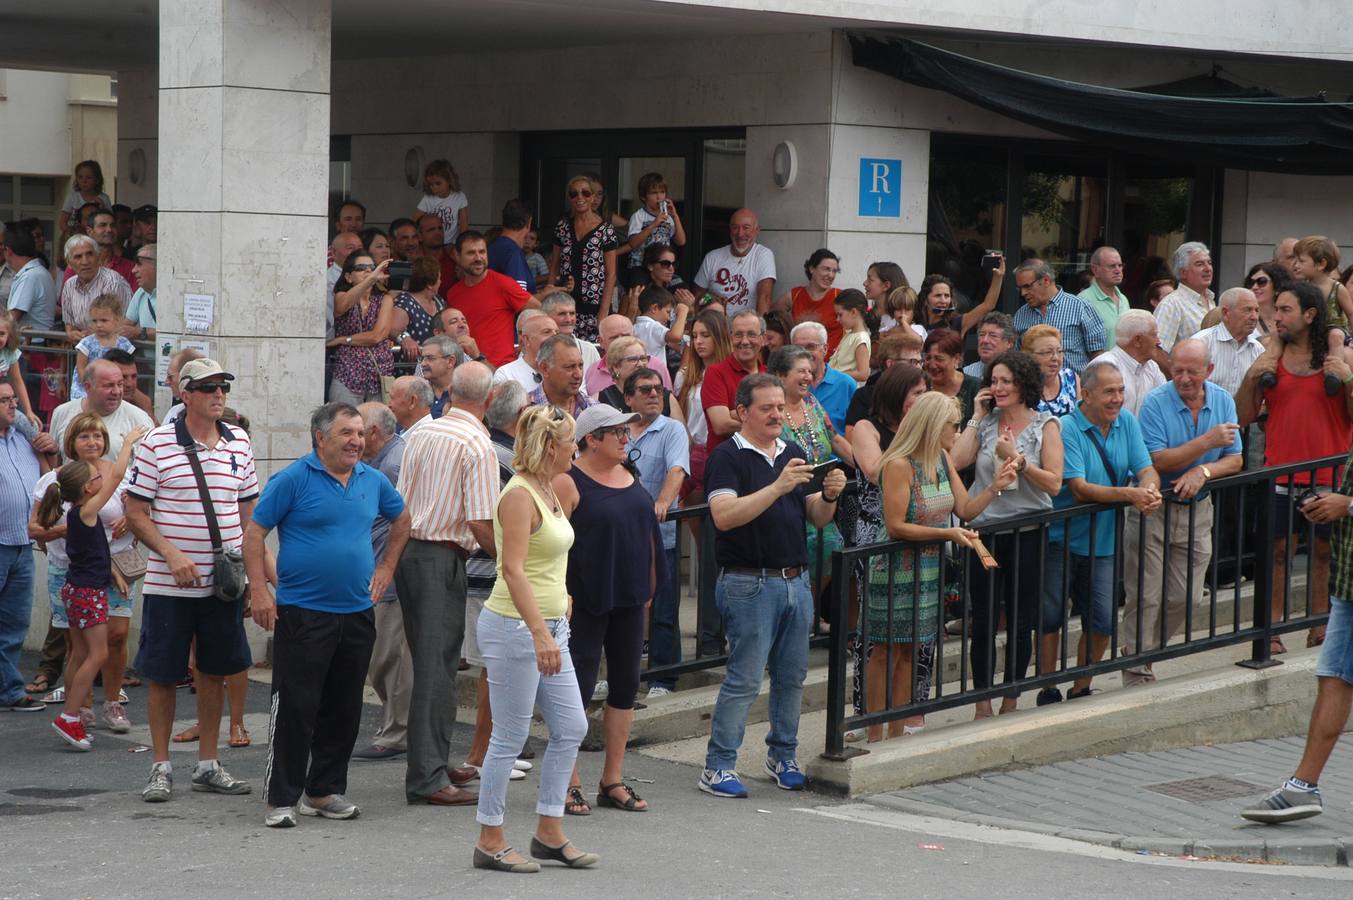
(575, 804)
(629, 804)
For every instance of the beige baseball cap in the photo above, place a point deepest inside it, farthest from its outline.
(200, 370)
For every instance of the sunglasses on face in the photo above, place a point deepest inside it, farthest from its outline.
(647, 390)
(576, 193)
(209, 388)
(666, 263)
(617, 431)
(363, 267)
(1261, 280)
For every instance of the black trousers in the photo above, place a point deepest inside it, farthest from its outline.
(1018, 593)
(319, 665)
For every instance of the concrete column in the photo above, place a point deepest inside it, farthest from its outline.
(138, 151)
(243, 163)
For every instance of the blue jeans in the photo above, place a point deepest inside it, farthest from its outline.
(515, 688)
(767, 621)
(664, 640)
(16, 611)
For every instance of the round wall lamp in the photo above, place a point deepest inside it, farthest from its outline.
(136, 166)
(413, 166)
(784, 165)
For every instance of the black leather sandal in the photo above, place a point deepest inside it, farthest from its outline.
(575, 804)
(629, 804)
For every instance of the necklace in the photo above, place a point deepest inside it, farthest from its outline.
(546, 490)
(805, 435)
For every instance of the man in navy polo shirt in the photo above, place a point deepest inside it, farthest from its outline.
(324, 505)
(758, 500)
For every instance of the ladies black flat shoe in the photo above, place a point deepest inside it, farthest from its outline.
(496, 861)
(542, 850)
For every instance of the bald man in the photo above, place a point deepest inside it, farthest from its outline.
(742, 273)
(598, 378)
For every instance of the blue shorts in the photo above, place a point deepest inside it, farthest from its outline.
(1336, 654)
(1283, 508)
(1091, 584)
(168, 627)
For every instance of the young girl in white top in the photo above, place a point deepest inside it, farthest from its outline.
(852, 354)
(442, 198)
(87, 188)
(105, 316)
(9, 365)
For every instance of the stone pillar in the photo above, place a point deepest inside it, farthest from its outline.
(243, 162)
(137, 135)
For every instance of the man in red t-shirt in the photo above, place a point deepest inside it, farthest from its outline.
(720, 385)
(489, 300)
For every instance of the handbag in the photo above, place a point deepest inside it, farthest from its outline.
(130, 563)
(387, 381)
(227, 566)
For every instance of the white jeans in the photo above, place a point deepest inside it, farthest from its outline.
(516, 687)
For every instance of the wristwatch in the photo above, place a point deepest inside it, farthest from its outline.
(403, 336)
(347, 339)
(1207, 473)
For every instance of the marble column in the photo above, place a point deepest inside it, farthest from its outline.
(243, 157)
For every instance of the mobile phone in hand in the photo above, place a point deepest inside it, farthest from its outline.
(820, 473)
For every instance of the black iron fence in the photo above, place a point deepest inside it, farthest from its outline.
(56, 345)
(1217, 539)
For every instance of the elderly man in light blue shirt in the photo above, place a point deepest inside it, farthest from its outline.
(19, 470)
(1190, 427)
(664, 461)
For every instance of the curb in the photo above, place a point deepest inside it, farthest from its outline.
(1290, 851)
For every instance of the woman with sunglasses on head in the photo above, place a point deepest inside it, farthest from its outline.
(614, 568)
(584, 250)
(363, 312)
(523, 636)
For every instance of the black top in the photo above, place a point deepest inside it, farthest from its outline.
(777, 538)
(91, 565)
(612, 563)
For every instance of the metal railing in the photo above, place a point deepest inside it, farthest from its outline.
(1238, 509)
(58, 380)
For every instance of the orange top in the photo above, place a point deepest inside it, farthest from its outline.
(806, 309)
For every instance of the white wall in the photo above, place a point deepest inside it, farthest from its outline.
(35, 124)
(1261, 208)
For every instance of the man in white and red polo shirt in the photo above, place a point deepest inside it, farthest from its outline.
(165, 511)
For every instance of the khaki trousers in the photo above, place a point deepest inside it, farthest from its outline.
(1165, 567)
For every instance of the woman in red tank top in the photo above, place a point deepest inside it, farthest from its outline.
(816, 301)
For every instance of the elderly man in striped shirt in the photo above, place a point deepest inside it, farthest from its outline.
(1233, 343)
(449, 481)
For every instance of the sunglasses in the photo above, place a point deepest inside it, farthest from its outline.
(647, 390)
(1262, 280)
(363, 267)
(209, 388)
(619, 431)
(666, 263)
(574, 194)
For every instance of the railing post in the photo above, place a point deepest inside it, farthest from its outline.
(1260, 655)
(837, 658)
(709, 638)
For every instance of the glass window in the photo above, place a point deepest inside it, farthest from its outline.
(1064, 216)
(1155, 217)
(968, 212)
(723, 189)
(6, 190)
(632, 168)
(37, 191)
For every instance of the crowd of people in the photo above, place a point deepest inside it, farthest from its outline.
(506, 505)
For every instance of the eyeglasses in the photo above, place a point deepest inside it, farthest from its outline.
(209, 387)
(574, 194)
(620, 432)
(648, 390)
(427, 357)
(9, 401)
(1024, 287)
(634, 359)
(1049, 354)
(910, 361)
(811, 347)
(666, 263)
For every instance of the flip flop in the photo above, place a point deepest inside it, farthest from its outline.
(239, 736)
(187, 735)
(39, 685)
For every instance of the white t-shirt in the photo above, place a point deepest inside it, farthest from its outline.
(448, 210)
(520, 372)
(663, 234)
(74, 201)
(654, 335)
(735, 277)
(124, 419)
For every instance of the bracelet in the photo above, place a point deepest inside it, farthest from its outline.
(1349, 378)
(827, 499)
(972, 423)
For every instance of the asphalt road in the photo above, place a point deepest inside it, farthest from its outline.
(73, 825)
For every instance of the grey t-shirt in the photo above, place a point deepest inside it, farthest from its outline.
(1022, 497)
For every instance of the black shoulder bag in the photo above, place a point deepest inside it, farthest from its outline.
(227, 566)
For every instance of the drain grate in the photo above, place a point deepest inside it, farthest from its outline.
(1202, 790)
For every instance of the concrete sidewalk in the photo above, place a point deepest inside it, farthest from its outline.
(1176, 802)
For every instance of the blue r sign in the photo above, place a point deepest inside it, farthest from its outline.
(881, 187)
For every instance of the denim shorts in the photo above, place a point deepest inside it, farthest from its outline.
(1336, 654)
(1091, 579)
(119, 607)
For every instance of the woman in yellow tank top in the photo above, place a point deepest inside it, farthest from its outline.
(523, 637)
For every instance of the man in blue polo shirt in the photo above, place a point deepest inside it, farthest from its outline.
(832, 388)
(324, 505)
(758, 499)
(1104, 451)
(1190, 428)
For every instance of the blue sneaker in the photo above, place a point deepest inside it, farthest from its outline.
(722, 783)
(787, 775)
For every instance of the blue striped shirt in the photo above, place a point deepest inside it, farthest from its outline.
(18, 474)
(1081, 327)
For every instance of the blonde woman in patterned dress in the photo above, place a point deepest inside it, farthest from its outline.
(920, 489)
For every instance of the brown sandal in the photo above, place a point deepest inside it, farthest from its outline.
(629, 804)
(575, 804)
(239, 736)
(1315, 637)
(1275, 646)
(187, 735)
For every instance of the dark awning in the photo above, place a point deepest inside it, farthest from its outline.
(1244, 129)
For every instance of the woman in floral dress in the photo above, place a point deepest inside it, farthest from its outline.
(584, 249)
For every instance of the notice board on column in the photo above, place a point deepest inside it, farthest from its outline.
(880, 188)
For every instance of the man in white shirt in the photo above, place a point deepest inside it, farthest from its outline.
(1135, 343)
(90, 281)
(533, 327)
(1181, 311)
(103, 397)
(1233, 343)
(411, 401)
(743, 273)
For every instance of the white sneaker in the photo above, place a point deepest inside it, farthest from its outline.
(522, 765)
(601, 691)
(280, 817)
(657, 691)
(515, 775)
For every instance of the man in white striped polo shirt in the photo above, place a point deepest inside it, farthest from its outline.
(449, 480)
(165, 511)
(1233, 343)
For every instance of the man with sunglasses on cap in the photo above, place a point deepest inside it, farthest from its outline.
(166, 512)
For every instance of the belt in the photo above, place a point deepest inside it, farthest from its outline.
(786, 573)
(452, 546)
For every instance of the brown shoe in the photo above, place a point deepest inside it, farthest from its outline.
(449, 796)
(462, 774)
